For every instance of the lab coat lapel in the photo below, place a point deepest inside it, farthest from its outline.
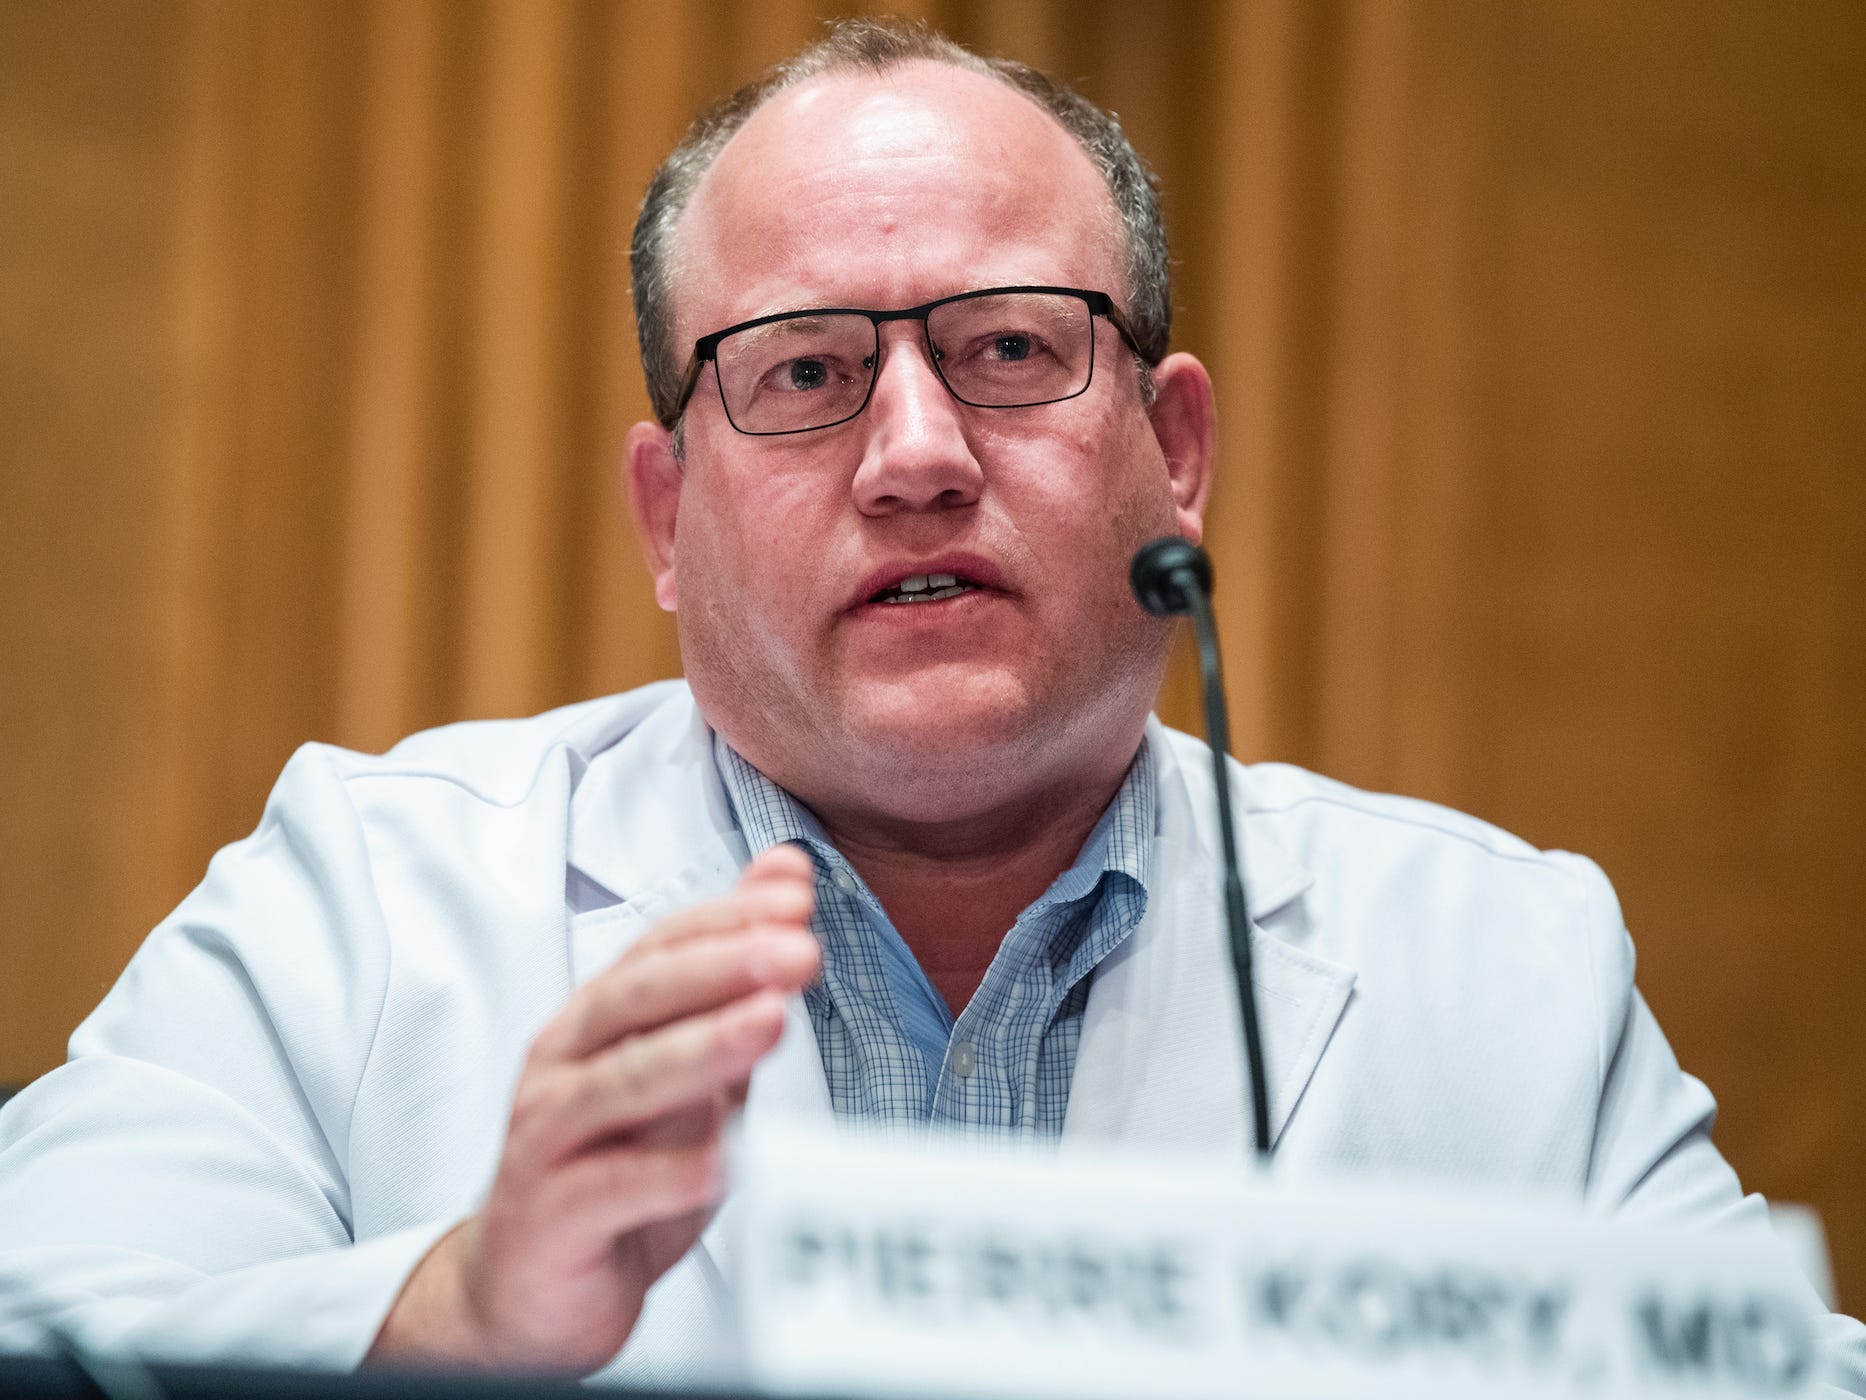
(789, 1083)
(1161, 1060)
(653, 833)
(789, 1086)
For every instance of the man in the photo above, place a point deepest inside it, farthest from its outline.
(435, 1066)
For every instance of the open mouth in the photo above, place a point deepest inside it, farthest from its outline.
(925, 588)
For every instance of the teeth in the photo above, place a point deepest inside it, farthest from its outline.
(930, 595)
(926, 588)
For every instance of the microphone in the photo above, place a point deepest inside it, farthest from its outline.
(1172, 577)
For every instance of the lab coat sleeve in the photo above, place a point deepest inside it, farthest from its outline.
(1653, 1156)
(179, 1188)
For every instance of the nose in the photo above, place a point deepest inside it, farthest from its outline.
(917, 456)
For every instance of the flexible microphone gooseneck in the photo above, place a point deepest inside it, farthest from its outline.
(1172, 576)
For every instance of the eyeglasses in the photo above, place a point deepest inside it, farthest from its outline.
(1003, 347)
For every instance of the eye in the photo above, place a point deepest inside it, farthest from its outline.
(1011, 347)
(805, 374)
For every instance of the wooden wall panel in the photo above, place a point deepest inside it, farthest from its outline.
(1536, 331)
(1255, 213)
(513, 475)
(1674, 642)
(246, 571)
(1587, 508)
(385, 600)
(87, 112)
(643, 109)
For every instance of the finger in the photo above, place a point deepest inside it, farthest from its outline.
(652, 987)
(614, 1189)
(678, 1068)
(775, 893)
(784, 861)
(698, 1123)
(776, 888)
(735, 1098)
(585, 1201)
(769, 901)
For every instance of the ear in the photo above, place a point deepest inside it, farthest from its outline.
(654, 481)
(1185, 423)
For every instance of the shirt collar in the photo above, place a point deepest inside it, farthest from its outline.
(1121, 841)
(767, 815)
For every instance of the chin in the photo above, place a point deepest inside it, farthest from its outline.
(943, 711)
(939, 750)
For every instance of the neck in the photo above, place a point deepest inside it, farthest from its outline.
(953, 889)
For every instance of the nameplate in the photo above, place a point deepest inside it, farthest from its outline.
(884, 1267)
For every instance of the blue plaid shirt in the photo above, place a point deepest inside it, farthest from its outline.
(892, 1051)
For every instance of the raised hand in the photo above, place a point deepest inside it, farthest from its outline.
(612, 1159)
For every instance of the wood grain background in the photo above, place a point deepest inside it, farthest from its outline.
(1539, 330)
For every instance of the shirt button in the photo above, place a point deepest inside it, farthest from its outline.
(962, 1060)
(843, 881)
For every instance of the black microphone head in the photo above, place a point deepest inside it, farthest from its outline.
(1161, 570)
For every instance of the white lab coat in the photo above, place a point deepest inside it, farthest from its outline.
(302, 1078)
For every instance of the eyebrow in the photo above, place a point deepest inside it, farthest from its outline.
(795, 321)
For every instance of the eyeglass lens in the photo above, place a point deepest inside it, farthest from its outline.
(1009, 350)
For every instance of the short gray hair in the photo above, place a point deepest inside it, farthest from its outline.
(877, 45)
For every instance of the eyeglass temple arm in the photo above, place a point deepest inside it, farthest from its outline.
(695, 365)
(1119, 322)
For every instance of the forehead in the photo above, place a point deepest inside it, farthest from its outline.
(886, 190)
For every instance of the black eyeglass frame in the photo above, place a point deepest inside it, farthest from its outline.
(707, 348)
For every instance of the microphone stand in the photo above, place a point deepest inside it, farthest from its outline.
(1173, 576)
